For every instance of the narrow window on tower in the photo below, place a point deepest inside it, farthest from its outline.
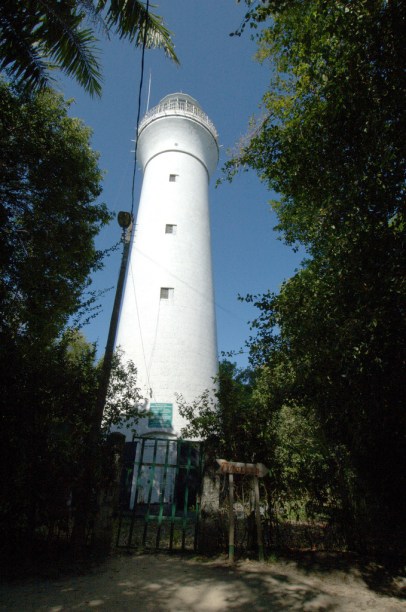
(173, 178)
(166, 293)
(170, 228)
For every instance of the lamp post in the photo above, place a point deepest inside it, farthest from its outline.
(125, 220)
(87, 486)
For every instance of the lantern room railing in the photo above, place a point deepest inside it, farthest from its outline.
(178, 106)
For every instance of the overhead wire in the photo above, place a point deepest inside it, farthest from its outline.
(140, 87)
(153, 346)
(140, 328)
(144, 44)
(184, 282)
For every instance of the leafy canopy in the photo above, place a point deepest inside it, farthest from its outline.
(49, 183)
(46, 412)
(330, 142)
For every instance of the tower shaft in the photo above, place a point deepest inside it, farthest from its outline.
(167, 322)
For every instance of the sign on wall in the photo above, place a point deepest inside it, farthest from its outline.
(160, 415)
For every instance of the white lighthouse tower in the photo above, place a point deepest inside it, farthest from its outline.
(167, 322)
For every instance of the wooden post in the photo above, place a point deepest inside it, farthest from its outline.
(258, 520)
(231, 518)
(257, 470)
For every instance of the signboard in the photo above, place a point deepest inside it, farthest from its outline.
(160, 415)
(248, 469)
(257, 470)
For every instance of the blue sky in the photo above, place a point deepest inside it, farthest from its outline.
(220, 72)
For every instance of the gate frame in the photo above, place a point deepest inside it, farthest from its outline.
(186, 517)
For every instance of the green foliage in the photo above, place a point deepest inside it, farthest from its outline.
(49, 182)
(224, 419)
(300, 457)
(331, 140)
(47, 410)
(246, 421)
(122, 408)
(331, 143)
(38, 37)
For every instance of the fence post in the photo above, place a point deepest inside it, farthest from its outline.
(258, 520)
(109, 494)
(231, 518)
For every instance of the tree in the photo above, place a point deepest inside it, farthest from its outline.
(331, 140)
(37, 37)
(331, 143)
(224, 420)
(49, 183)
(248, 421)
(47, 407)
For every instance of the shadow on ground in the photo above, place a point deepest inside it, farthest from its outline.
(172, 583)
(383, 575)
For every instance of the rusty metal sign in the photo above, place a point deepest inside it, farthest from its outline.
(246, 469)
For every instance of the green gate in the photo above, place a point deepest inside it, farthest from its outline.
(160, 494)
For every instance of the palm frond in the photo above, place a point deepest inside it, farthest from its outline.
(93, 15)
(130, 18)
(77, 55)
(39, 35)
(20, 55)
(72, 47)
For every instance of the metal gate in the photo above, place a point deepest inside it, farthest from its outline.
(160, 494)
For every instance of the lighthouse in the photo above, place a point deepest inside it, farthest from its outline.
(167, 322)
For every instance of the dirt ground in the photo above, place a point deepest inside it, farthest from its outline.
(159, 582)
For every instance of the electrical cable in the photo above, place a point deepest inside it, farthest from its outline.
(141, 82)
(139, 327)
(200, 293)
(144, 44)
(153, 342)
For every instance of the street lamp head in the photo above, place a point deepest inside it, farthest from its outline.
(124, 219)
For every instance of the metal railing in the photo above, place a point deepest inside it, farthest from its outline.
(181, 106)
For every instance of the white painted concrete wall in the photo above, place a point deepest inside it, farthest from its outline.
(172, 341)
